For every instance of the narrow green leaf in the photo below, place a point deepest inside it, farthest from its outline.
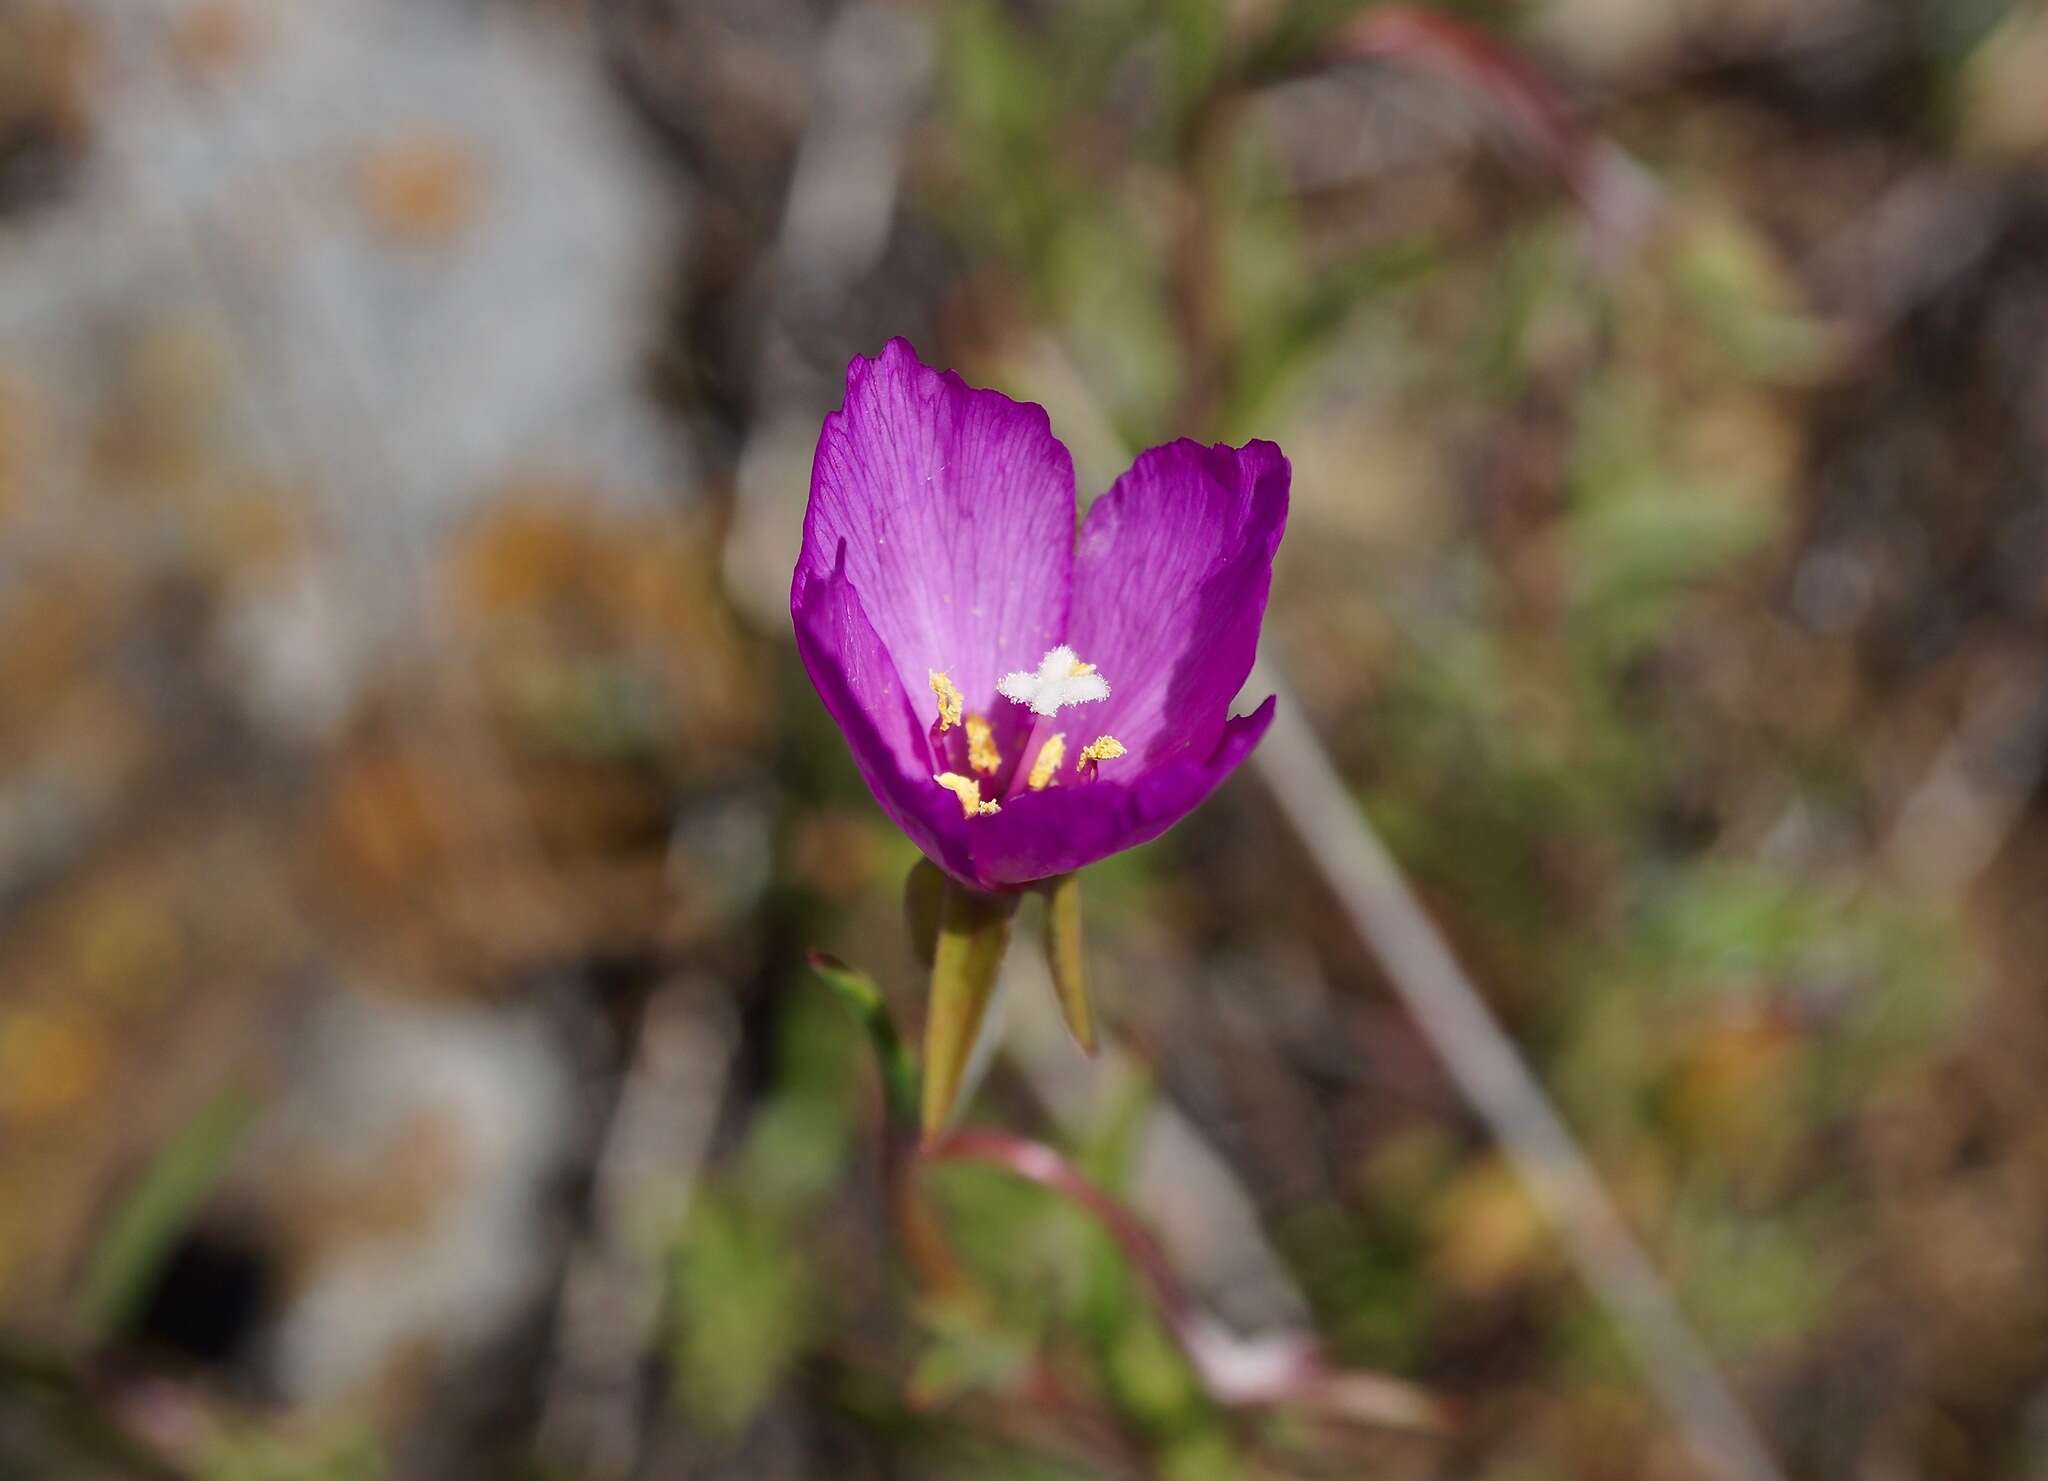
(161, 1208)
(860, 991)
(974, 931)
(1063, 951)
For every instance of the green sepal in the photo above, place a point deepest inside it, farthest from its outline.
(1063, 953)
(899, 1073)
(924, 894)
(974, 931)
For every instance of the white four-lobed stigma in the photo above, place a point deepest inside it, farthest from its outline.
(1062, 680)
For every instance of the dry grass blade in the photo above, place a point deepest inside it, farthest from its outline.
(1500, 1087)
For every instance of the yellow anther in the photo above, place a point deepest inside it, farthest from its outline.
(1102, 748)
(968, 790)
(982, 754)
(950, 699)
(1050, 755)
(1081, 668)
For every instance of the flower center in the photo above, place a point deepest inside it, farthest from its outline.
(968, 764)
(1062, 680)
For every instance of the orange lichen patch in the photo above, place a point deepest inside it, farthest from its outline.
(218, 35)
(19, 435)
(155, 442)
(120, 940)
(389, 819)
(423, 852)
(1486, 1234)
(53, 628)
(1732, 1078)
(528, 551)
(421, 189)
(17, 431)
(49, 1064)
(551, 552)
(179, 368)
(45, 53)
(257, 524)
(601, 628)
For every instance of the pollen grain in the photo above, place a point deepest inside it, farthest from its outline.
(1050, 755)
(968, 790)
(1102, 748)
(982, 754)
(951, 700)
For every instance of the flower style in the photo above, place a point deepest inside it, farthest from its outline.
(1022, 703)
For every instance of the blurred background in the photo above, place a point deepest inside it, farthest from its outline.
(413, 817)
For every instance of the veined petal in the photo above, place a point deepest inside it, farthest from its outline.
(1041, 834)
(955, 509)
(1170, 585)
(857, 679)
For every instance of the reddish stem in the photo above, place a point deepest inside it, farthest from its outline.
(1612, 189)
(1037, 1163)
(1281, 1369)
(1482, 62)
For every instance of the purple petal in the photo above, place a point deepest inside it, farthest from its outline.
(857, 679)
(955, 508)
(1041, 834)
(1170, 585)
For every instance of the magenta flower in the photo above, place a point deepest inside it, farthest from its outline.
(1020, 703)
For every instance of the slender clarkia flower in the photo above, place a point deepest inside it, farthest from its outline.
(1020, 701)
